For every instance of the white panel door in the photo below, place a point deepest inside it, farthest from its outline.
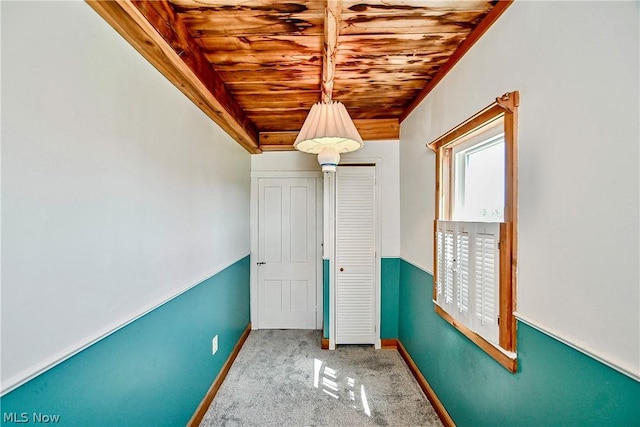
(355, 255)
(287, 258)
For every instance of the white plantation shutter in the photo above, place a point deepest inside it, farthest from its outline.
(448, 276)
(463, 278)
(440, 262)
(449, 266)
(469, 274)
(486, 277)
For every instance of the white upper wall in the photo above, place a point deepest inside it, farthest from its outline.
(576, 67)
(117, 192)
(384, 153)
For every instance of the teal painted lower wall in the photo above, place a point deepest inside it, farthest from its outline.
(154, 371)
(555, 384)
(389, 297)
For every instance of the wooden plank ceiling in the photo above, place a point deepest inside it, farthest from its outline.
(256, 67)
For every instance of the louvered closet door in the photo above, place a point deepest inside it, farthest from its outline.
(355, 255)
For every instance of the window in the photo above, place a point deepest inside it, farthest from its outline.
(478, 180)
(474, 239)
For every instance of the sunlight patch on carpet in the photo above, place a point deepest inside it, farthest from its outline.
(326, 379)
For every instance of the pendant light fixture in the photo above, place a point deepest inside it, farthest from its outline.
(328, 131)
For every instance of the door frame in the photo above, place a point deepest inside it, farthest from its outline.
(331, 247)
(255, 177)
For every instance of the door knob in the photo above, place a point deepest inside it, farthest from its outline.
(341, 269)
(261, 263)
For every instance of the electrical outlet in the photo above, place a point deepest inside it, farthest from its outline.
(214, 345)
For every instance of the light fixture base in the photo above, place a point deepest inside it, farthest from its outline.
(328, 159)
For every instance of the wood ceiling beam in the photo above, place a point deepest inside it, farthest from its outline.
(333, 10)
(155, 31)
(369, 129)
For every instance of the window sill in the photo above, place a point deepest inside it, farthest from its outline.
(508, 360)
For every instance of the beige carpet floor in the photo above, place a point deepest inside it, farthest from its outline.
(283, 378)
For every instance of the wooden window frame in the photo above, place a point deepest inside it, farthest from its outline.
(505, 107)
